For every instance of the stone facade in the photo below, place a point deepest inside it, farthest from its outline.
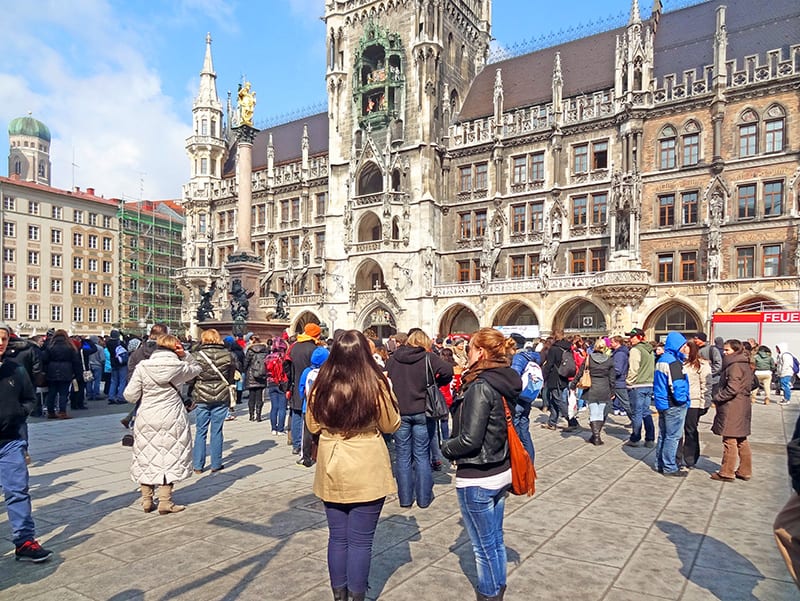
(644, 176)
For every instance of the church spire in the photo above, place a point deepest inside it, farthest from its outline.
(635, 14)
(208, 79)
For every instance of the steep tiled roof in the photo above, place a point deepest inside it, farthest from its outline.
(77, 193)
(684, 41)
(287, 140)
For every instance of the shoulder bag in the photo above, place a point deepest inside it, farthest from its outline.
(435, 405)
(88, 376)
(586, 378)
(231, 387)
(523, 474)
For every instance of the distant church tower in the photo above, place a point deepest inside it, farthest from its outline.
(29, 150)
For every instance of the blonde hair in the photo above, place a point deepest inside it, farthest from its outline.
(167, 341)
(210, 336)
(600, 346)
(496, 346)
(420, 339)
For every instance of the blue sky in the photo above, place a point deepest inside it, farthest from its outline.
(114, 80)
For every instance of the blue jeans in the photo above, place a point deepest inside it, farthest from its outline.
(351, 530)
(640, 399)
(522, 424)
(433, 436)
(205, 415)
(297, 430)
(14, 482)
(277, 409)
(59, 390)
(93, 387)
(482, 512)
(119, 378)
(412, 450)
(786, 386)
(670, 431)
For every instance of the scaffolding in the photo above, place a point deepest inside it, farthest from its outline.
(151, 250)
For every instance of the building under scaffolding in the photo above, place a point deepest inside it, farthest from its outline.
(151, 251)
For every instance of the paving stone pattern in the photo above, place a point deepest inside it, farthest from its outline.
(602, 526)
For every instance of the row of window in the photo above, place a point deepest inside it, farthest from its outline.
(56, 236)
(751, 261)
(56, 313)
(749, 205)
(56, 285)
(78, 215)
(57, 260)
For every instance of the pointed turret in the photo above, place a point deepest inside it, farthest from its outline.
(636, 16)
(207, 95)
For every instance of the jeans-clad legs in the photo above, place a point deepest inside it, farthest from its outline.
(482, 512)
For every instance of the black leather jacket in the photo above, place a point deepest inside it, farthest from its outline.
(479, 440)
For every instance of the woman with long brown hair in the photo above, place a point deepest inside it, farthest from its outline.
(698, 372)
(479, 446)
(351, 407)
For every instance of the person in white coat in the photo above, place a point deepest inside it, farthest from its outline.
(162, 442)
(785, 366)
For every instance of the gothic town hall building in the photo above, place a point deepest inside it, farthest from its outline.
(644, 176)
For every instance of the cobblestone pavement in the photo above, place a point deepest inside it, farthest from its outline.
(602, 525)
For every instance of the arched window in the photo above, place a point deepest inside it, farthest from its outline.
(370, 180)
(774, 124)
(455, 104)
(396, 180)
(675, 318)
(203, 126)
(586, 318)
(18, 167)
(395, 229)
(369, 228)
(666, 147)
(748, 133)
(690, 144)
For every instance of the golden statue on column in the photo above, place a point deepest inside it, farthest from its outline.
(246, 104)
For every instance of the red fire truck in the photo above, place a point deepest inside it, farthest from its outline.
(767, 327)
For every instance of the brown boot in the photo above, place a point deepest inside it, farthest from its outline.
(165, 504)
(147, 497)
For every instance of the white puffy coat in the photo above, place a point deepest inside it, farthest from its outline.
(162, 439)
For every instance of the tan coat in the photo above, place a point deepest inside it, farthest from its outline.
(355, 469)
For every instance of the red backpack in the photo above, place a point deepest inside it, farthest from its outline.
(274, 366)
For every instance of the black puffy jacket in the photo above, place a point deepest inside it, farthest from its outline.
(208, 387)
(16, 400)
(28, 354)
(479, 439)
(61, 361)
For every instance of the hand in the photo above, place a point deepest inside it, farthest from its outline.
(180, 351)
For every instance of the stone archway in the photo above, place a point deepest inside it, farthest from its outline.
(757, 303)
(672, 317)
(380, 319)
(515, 313)
(304, 318)
(369, 227)
(458, 319)
(583, 317)
(369, 276)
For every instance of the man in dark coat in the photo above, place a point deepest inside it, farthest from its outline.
(298, 357)
(17, 400)
(558, 385)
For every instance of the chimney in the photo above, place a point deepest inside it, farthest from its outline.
(77, 188)
(90, 191)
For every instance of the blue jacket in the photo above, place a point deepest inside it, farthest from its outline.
(318, 357)
(621, 360)
(521, 358)
(670, 385)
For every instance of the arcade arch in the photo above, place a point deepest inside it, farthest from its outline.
(672, 317)
(458, 319)
(369, 228)
(581, 317)
(369, 276)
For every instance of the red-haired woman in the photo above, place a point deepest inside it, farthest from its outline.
(479, 446)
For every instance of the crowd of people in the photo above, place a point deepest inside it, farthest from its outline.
(356, 406)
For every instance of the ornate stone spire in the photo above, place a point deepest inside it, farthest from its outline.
(635, 15)
(207, 95)
(498, 95)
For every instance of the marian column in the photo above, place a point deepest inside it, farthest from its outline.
(243, 265)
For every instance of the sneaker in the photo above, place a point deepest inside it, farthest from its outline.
(274, 432)
(30, 550)
(676, 474)
(783, 402)
(230, 417)
(650, 443)
(630, 443)
(295, 451)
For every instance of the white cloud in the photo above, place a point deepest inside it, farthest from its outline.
(81, 68)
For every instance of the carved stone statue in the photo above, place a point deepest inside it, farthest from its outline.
(281, 305)
(206, 308)
(247, 104)
(240, 305)
(623, 231)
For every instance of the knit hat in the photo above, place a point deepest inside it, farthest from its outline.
(518, 338)
(6, 327)
(312, 329)
(114, 334)
(229, 340)
(701, 336)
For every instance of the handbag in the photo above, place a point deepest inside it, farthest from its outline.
(435, 405)
(586, 378)
(127, 440)
(523, 474)
(231, 387)
(88, 376)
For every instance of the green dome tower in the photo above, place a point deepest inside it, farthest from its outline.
(29, 150)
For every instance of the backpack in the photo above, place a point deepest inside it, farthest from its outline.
(795, 365)
(258, 369)
(532, 381)
(567, 367)
(274, 368)
(120, 356)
